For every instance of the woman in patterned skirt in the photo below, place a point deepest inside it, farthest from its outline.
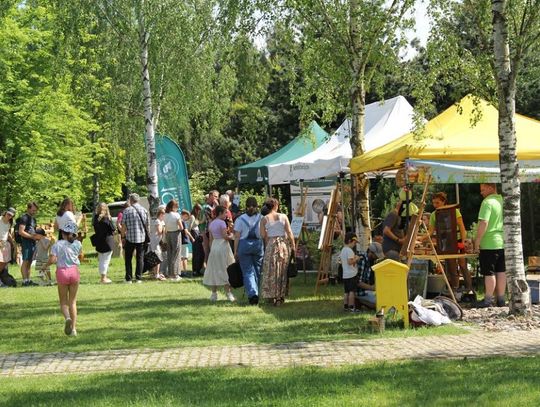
(279, 241)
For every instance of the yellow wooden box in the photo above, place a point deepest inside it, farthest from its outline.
(391, 287)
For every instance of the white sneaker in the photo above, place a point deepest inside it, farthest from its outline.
(177, 278)
(73, 333)
(138, 281)
(128, 282)
(230, 297)
(213, 297)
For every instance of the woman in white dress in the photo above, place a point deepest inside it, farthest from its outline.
(221, 256)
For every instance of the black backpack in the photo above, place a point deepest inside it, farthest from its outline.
(18, 237)
(7, 279)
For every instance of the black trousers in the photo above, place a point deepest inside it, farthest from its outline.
(198, 254)
(139, 249)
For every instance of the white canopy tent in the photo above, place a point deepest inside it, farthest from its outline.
(385, 121)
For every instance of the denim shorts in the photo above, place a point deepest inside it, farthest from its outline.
(28, 248)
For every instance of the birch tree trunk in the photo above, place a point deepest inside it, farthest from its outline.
(511, 191)
(358, 104)
(151, 175)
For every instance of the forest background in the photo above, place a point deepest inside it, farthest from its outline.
(229, 86)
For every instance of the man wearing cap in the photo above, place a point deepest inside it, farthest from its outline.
(135, 232)
(366, 284)
(27, 232)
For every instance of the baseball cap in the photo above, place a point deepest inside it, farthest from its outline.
(349, 237)
(11, 211)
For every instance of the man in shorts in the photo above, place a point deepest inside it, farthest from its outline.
(490, 242)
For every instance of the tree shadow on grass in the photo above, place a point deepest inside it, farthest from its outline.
(406, 383)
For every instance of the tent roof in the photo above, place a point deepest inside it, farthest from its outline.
(303, 144)
(450, 136)
(384, 121)
(299, 146)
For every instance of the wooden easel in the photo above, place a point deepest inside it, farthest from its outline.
(327, 239)
(407, 249)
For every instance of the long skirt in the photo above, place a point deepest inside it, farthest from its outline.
(275, 283)
(221, 257)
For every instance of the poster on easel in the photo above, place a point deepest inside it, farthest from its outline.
(316, 200)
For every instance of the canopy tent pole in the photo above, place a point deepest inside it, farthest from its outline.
(457, 194)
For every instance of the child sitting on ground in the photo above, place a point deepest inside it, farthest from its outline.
(350, 271)
(41, 256)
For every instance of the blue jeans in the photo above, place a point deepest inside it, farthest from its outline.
(251, 265)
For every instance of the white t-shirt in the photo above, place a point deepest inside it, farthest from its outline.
(349, 270)
(243, 228)
(65, 218)
(171, 221)
(67, 254)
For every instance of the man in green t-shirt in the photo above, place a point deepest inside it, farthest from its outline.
(490, 242)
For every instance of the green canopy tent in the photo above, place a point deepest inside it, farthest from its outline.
(307, 141)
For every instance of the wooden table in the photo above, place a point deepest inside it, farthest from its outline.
(445, 256)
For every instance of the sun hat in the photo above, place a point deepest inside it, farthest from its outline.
(70, 227)
(11, 211)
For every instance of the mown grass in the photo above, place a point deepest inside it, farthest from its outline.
(481, 382)
(165, 314)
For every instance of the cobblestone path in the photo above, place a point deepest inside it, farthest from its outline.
(474, 344)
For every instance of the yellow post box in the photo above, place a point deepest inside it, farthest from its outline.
(391, 287)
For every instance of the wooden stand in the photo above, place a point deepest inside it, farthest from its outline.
(326, 240)
(407, 249)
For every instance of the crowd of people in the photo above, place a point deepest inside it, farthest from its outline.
(260, 240)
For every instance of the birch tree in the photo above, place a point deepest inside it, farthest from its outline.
(347, 48)
(524, 18)
(488, 52)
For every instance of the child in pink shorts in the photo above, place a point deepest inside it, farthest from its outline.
(67, 253)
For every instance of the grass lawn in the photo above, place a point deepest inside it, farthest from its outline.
(165, 314)
(493, 382)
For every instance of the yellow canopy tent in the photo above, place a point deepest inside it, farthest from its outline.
(451, 140)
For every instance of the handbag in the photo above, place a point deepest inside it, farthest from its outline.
(94, 240)
(151, 260)
(236, 278)
(292, 270)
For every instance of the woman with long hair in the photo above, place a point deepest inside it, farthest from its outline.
(6, 240)
(65, 214)
(279, 241)
(104, 240)
(174, 227)
(220, 257)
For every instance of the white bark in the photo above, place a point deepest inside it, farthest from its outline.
(511, 191)
(149, 134)
(358, 104)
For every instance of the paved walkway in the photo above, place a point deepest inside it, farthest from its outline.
(474, 344)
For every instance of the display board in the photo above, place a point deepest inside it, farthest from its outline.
(316, 200)
(446, 226)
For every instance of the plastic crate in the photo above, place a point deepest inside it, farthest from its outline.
(534, 288)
